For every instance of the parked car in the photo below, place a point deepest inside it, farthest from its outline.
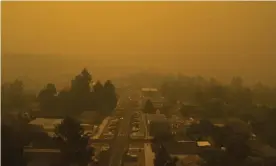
(108, 135)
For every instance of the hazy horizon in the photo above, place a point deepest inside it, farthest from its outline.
(52, 41)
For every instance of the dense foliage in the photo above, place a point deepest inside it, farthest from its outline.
(73, 143)
(200, 91)
(12, 147)
(12, 96)
(149, 108)
(83, 95)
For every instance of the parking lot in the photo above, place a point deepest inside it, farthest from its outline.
(137, 127)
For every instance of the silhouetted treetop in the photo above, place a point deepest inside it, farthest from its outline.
(237, 82)
(98, 87)
(73, 143)
(149, 108)
(87, 76)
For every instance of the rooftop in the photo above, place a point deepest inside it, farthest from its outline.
(186, 147)
(41, 150)
(262, 149)
(187, 160)
(149, 89)
(203, 143)
(46, 122)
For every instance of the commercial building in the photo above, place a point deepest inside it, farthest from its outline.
(149, 92)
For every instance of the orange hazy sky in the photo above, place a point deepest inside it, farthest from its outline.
(208, 38)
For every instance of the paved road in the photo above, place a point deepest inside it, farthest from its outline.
(121, 142)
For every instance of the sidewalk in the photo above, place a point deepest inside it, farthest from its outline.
(101, 128)
(149, 155)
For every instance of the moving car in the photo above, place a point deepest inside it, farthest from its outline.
(135, 129)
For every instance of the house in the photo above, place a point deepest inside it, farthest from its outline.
(185, 151)
(188, 160)
(46, 124)
(181, 147)
(261, 149)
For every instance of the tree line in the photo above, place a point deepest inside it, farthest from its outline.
(13, 96)
(200, 90)
(209, 99)
(84, 94)
(216, 99)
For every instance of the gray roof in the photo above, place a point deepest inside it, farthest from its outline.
(262, 149)
(46, 123)
(188, 147)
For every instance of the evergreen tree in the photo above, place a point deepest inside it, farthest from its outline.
(98, 96)
(47, 98)
(73, 143)
(110, 96)
(149, 108)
